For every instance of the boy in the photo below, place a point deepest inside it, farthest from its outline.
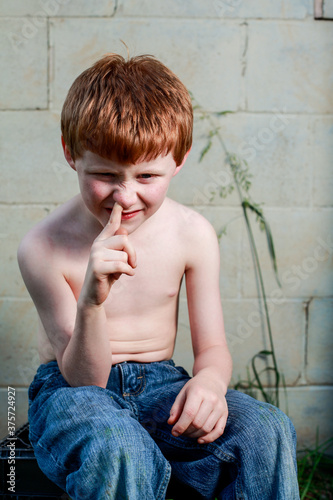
(110, 414)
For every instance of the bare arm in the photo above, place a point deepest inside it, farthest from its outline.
(77, 331)
(205, 310)
(87, 359)
(200, 410)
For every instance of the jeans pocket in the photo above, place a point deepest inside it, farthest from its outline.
(179, 370)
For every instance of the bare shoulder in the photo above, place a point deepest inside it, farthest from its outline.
(44, 255)
(189, 222)
(194, 231)
(45, 242)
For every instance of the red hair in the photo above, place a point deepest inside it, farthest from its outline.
(134, 110)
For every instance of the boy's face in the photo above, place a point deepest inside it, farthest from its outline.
(140, 189)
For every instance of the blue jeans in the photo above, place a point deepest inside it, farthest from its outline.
(115, 443)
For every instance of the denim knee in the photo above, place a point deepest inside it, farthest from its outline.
(93, 447)
(274, 425)
(119, 459)
(259, 425)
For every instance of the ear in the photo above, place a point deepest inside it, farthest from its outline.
(67, 154)
(182, 163)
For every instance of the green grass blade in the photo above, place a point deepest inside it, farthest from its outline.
(257, 378)
(205, 150)
(269, 236)
(309, 481)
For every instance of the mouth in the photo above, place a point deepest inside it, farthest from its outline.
(127, 215)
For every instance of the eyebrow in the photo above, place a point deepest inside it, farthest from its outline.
(120, 170)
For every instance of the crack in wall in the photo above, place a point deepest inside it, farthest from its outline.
(246, 43)
(306, 305)
(115, 8)
(244, 65)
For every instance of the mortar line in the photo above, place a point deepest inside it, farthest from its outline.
(311, 166)
(115, 9)
(309, 19)
(48, 62)
(244, 59)
(306, 340)
(267, 112)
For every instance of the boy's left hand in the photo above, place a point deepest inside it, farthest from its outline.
(200, 410)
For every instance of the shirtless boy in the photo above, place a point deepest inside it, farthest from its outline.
(111, 416)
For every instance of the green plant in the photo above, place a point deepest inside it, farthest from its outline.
(314, 468)
(242, 183)
(315, 472)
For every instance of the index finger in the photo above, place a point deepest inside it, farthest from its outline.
(188, 413)
(114, 221)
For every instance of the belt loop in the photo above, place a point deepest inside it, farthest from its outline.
(121, 378)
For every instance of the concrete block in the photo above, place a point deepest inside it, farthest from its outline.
(278, 150)
(319, 368)
(322, 162)
(243, 320)
(171, 9)
(15, 222)
(77, 8)
(311, 409)
(18, 332)
(245, 338)
(284, 70)
(304, 247)
(206, 55)
(36, 171)
(200, 183)
(298, 9)
(328, 9)
(50, 8)
(23, 61)
(21, 409)
(277, 147)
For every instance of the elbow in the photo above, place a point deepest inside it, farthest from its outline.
(75, 378)
(86, 383)
(77, 375)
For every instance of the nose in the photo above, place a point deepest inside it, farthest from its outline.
(125, 195)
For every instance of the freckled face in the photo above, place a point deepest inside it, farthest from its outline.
(140, 189)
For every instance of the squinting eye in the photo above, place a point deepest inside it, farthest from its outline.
(145, 176)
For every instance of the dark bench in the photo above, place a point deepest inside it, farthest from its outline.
(30, 482)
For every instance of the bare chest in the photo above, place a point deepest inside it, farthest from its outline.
(158, 275)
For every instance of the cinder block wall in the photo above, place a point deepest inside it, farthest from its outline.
(270, 63)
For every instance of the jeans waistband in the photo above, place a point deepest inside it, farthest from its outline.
(51, 366)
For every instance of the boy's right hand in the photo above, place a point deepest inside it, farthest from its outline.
(111, 255)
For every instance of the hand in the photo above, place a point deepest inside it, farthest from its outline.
(200, 410)
(111, 255)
